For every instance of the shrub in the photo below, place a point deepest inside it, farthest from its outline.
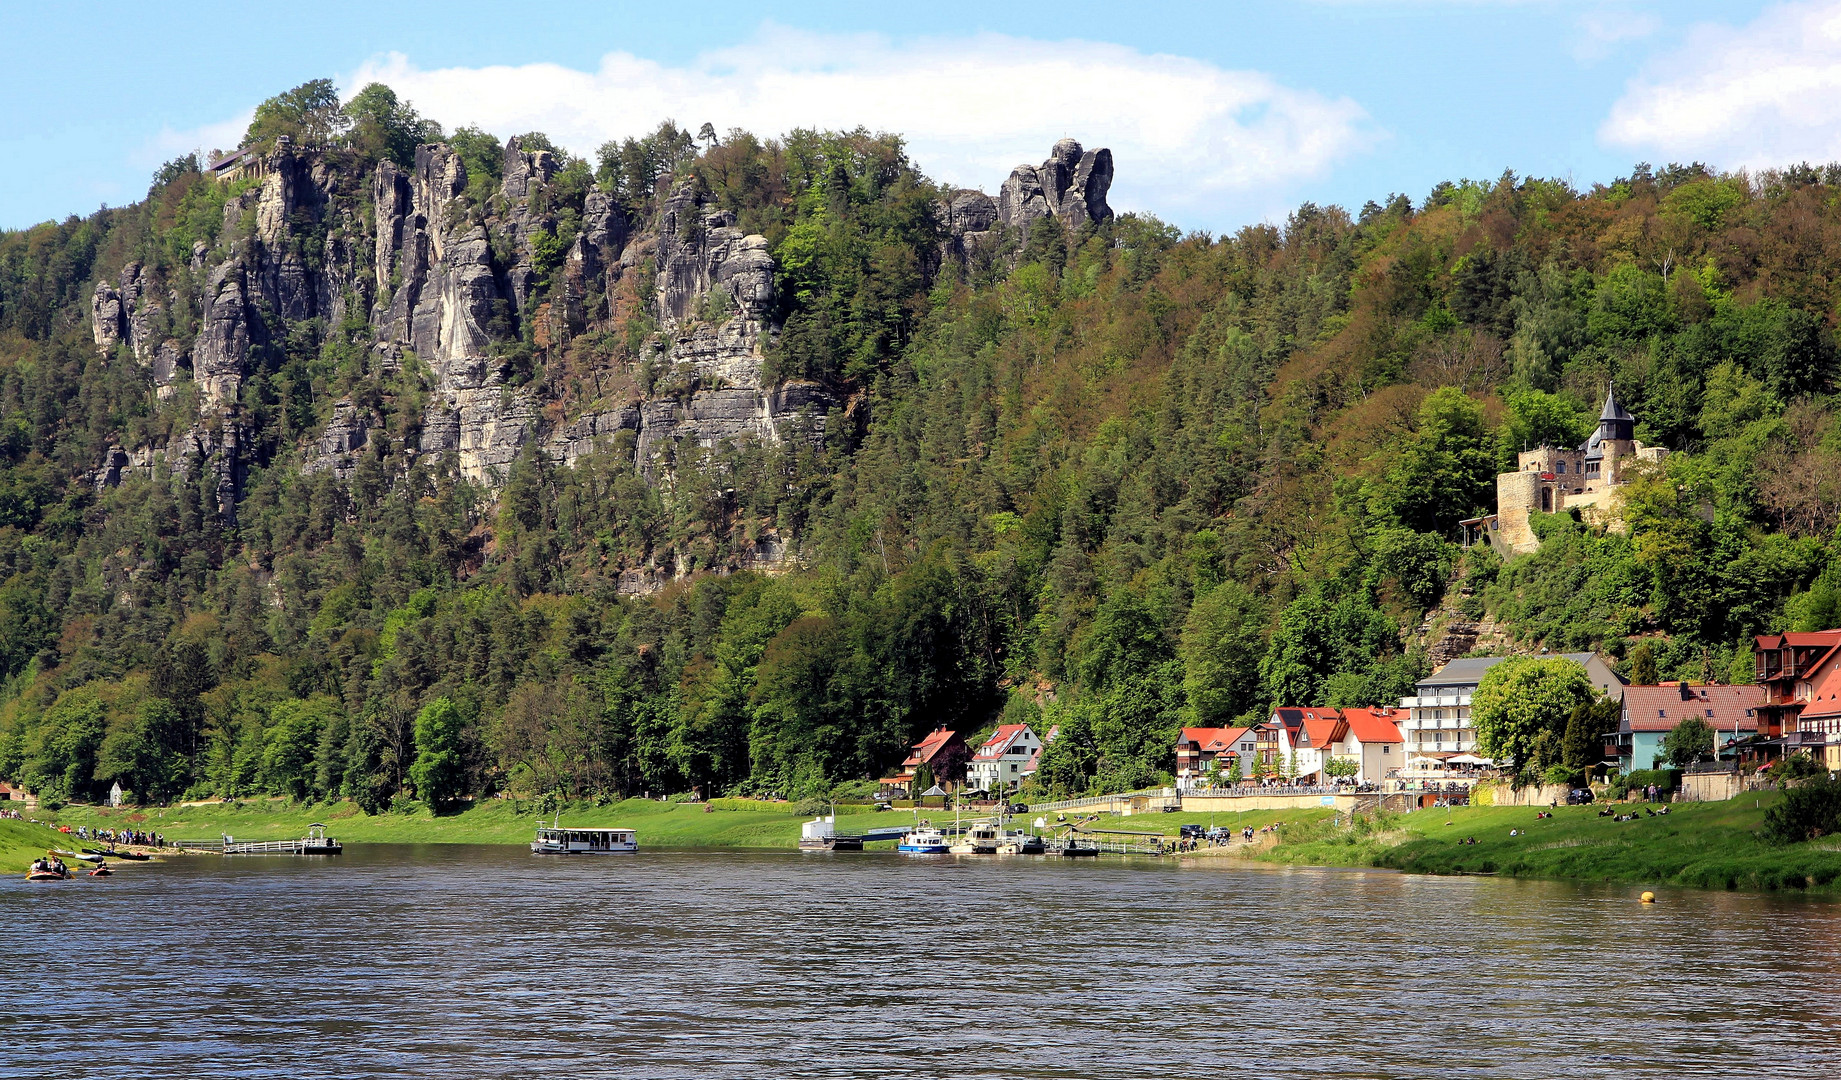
(1807, 811)
(1560, 776)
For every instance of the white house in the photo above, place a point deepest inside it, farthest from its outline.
(1438, 724)
(1372, 737)
(997, 766)
(1309, 739)
(1306, 739)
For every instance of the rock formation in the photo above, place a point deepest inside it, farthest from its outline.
(469, 288)
(1071, 186)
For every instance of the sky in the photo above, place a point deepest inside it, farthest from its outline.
(1218, 114)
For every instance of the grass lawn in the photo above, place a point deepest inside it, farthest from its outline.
(1703, 845)
(730, 823)
(22, 841)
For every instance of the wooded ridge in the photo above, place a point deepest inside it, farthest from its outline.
(389, 463)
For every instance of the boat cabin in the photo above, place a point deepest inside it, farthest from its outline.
(559, 841)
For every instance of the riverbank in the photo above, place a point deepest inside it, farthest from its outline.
(23, 841)
(721, 823)
(1699, 845)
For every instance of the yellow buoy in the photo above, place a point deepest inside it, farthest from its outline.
(1649, 898)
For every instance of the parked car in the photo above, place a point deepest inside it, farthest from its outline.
(1578, 796)
(1190, 832)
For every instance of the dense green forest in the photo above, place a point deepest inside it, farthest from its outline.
(1116, 479)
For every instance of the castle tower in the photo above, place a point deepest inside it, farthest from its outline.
(1613, 444)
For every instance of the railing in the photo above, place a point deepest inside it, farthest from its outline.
(1255, 790)
(1100, 800)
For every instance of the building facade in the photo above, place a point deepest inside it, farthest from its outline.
(1651, 712)
(998, 764)
(1437, 717)
(942, 751)
(1799, 711)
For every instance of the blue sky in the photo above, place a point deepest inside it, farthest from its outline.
(1218, 114)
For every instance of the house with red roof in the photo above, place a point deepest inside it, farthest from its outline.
(1651, 712)
(1375, 741)
(1310, 738)
(1305, 739)
(942, 751)
(997, 765)
(1205, 755)
(1800, 711)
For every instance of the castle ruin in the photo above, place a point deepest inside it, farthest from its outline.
(1554, 480)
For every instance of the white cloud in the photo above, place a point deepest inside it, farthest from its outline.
(1193, 142)
(1602, 32)
(1764, 94)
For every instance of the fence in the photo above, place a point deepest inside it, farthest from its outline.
(1155, 799)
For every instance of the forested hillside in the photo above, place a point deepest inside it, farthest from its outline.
(1092, 472)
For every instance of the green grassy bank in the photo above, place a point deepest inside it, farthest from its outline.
(22, 841)
(727, 823)
(1702, 845)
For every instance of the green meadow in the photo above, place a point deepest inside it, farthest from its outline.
(1702, 845)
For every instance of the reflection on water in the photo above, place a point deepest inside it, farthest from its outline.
(489, 962)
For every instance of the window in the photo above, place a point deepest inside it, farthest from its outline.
(1562, 468)
(1661, 712)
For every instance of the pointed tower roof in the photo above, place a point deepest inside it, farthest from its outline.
(1613, 423)
(1612, 410)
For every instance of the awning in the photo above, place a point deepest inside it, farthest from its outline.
(1424, 763)
(1470, 759)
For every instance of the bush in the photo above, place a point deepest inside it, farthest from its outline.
(1560, 776)
(1807, 811)
(1664, 779)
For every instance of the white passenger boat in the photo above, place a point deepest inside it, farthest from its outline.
(552, 840)
(927, 841)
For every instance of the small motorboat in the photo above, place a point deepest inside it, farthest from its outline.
(928, 841)
(1076, 850)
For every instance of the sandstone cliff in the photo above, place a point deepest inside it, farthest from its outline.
(473, 297)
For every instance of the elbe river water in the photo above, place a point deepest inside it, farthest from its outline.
(451, 961)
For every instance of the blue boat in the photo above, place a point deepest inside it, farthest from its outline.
(928, 841)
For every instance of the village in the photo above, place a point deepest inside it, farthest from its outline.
(1423, 751)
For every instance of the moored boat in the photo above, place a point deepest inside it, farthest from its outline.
(982, 838)
(1017, 842)
(554, 840)
(924, 841)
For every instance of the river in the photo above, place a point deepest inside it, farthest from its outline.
(454, 961)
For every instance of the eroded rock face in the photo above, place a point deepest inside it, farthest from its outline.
(457, 285)
(222, 349)
(105, 317)
(1071, 185)
(345, 434)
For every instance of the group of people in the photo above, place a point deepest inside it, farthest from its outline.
(50, 864)
(122, 836)
(1632, 815)
(11, 815)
